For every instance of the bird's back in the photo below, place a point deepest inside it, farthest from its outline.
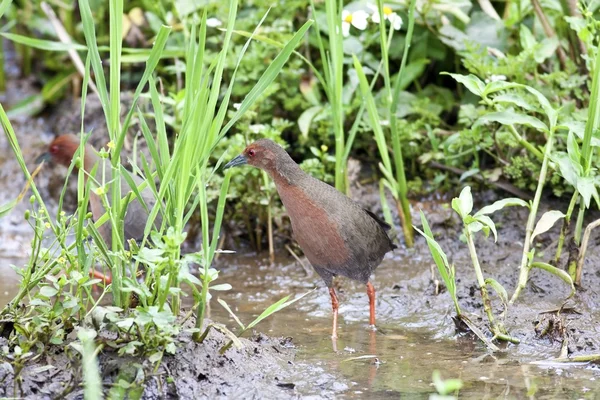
(136, 215)
(336, 234)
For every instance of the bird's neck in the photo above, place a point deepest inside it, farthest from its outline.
(286, 172)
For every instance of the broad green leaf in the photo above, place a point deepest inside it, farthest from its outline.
(587, 188)
(510, 118)
(500, 204)
(545, 49)
(463, 204)
(526, 38)
(566, 168)
(551, 113)
(515, 99)
(48, 291)
(471, 82)
(546, 222)
(487, 221)
(306, 118)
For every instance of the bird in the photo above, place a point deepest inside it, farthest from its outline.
(336, 234)
(61, 151)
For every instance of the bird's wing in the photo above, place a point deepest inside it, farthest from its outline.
(386, 227)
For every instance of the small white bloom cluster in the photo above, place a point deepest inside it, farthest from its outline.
(358, 18)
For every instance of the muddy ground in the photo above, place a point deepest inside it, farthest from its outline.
(261, 369)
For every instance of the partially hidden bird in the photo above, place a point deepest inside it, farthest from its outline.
(62, 149)
(336, 234)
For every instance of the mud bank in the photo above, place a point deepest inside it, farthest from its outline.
(263, 368)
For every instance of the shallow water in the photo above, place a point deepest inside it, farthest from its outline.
(408, 346)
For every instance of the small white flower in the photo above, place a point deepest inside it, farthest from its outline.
(213, 23)
(388, 14)
(357, 19)
(495, 78)
(237, 105)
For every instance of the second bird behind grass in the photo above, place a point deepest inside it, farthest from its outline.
(336, 234)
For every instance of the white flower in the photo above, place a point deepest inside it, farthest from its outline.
(213, 23)
(357, 19)
(388, 14)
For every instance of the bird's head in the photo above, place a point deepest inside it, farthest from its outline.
(264, 154)
(61, 150)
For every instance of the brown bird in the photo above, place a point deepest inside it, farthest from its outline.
(337, 235)
(63, 148)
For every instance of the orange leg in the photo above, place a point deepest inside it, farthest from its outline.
(96, 274)
(371, 294)
(334, 305)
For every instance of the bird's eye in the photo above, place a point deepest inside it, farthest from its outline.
(54, 149)
(251, 152)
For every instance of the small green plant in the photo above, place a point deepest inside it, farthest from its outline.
(447, 389)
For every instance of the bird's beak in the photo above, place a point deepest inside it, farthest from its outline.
(239, 160)
(43, 157)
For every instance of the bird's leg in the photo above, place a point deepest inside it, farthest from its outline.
(334, 305)
(100, 275)
(371, 294)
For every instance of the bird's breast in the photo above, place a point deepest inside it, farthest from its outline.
(315, 231)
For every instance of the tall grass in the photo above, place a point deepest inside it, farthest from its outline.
(332, 59)
(394, 177)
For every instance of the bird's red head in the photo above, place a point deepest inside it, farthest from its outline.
(61, 150)
(263, 154)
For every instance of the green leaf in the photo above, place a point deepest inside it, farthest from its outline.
(515, 99)
(546, 222)
(41, 44)
(587, 188)
(471, 82)
(463, 204)
(487, 221)
(498, 288)
(500, 204)
(4, 6)
(573, 148)
(566, 168)
(564, 275)
(545, 49)
(446, 386)
(526, 38)
(551, 113)
(221, 287)
(273, 308)
(48, 291)
(511, 118)
(235, 317)
(306, 118)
